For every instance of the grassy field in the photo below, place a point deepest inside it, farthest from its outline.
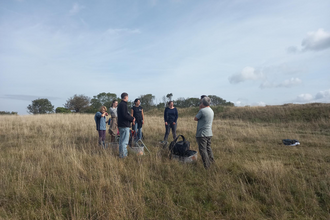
(52, 168)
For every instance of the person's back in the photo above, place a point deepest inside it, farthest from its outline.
(124, 118)
(204, 125)
(204, 131)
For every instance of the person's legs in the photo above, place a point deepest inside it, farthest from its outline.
(167, 132)
(103, 137)
(100, 136)
(202, 146)
(139, 133)
(209, 150)
(174, 131)
(135, 130)
(123, 142)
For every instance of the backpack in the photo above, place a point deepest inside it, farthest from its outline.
(179, 148)
(290, 142)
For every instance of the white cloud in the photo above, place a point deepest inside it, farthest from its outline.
(318, 40)
(248, 73)
(290, 82)
(323, 95)
(76, 8)
(304, 98)
(285, 84)
(259, 104)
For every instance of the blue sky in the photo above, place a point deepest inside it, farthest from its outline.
(247, 52)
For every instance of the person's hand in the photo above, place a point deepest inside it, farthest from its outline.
(165, 123)
(174, 123)
(106, 113)
(142, 121)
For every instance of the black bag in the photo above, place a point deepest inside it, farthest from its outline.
(179, 148)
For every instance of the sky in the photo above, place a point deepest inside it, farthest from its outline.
(247, 52)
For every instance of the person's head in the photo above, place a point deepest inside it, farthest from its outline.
(206, 101)
(114, 103)
(170, 104)
(124, 96)
(103, 109)
(137, 102)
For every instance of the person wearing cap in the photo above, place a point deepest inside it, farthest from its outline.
(204, 133)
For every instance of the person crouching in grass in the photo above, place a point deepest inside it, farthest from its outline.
(100, 121)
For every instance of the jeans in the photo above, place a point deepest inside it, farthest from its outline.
(204, 145)
(168, 127)
(123, 142)
(138, 132)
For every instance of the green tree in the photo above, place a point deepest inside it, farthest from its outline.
(62, 110)
(215, 101)
(169, 96)
(103, 99)
(147, 101)
(40, 106)
(79, 103)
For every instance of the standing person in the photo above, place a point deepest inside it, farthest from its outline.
(204, 131)
(100, 121)
(113, 130)
(124, 120)
(170, 118)
(137, 112)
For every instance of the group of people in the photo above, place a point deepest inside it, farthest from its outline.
(121, 120)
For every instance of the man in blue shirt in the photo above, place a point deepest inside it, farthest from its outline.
(204, 131)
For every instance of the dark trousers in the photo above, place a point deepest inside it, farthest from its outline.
(168, 127)
(204, 146)
(101, 136)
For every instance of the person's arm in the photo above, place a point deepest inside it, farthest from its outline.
(165, 114)
(98, 115)
(176, 116)
(198, 116)
(142, 117)
(127, 115)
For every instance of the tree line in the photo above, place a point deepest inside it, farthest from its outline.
(85, 104)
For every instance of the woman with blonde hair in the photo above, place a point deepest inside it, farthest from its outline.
(100, 121)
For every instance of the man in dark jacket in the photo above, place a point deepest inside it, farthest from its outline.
(124, 121)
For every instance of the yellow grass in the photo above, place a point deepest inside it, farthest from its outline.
(52, 168)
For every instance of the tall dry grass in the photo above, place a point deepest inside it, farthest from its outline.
(52, 168)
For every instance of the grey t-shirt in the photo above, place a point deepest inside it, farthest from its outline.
(113, 112)
(204, 125)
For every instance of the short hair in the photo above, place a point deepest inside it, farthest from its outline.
(103, 107)
(123, 95)
(136, 100)
(203, 96)
(206, 101)
(169, 102)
